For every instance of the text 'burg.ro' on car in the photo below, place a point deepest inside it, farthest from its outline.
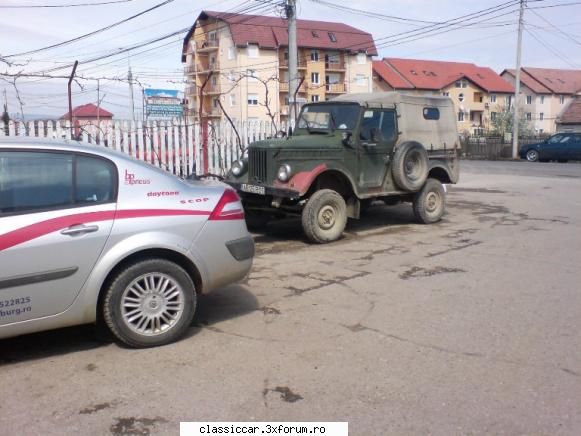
(87, 234)
(346, 153)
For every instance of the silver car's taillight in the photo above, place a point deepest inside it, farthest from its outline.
(228, 208)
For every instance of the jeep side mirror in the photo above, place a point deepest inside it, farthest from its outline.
(346, 139)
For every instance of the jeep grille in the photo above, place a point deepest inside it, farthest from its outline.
(257, 165)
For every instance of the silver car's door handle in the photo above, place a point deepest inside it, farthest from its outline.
(80, 229)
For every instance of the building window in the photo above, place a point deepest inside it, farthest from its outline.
(461, 84)
(314, 98)
(493, 116)
(361, 58)
(529, 116)
(252, 50)
(315, 78)
(314, 33)
(232, 52)
(561, 99)
(461, 117)
(508, 101)
(315, 55)
(360, 80)
(251, 75)
(231, 77)
(216, 103)
(232, 100)
(446, 94)
(542, 99)
(493, 98)
(542, 116)
(529, 99)
(252, 99)
(461, 97)
(332, 37)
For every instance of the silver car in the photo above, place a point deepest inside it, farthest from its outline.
(89, 234)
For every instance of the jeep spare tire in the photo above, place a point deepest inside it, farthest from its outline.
(410, 166)
(324, 216)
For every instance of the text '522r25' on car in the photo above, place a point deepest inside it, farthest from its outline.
(88, 234)
(346, 153)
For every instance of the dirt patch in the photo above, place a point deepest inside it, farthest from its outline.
(287, 395)
(418, 272)
(95, 408)
(135, 426)
(323, 282)
(270, 310)
(465, 244)
(91, 367)
(479, 190)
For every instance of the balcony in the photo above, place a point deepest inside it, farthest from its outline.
(212, 88)
(210, 66)
(191, 89)
(302, 63)
(206, 45)
(190, 69)
(284, 110)
(335, 88)
(212, 113)
(335, 65)
(283, 87)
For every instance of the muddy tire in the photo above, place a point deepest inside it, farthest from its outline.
(410, 166)
(324, 216)
(150, 303)
(429, 203)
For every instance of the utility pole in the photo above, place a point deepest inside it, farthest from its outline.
(293, 70)
(515, 115)
(98, 106)
(130, 79)
(70, 95)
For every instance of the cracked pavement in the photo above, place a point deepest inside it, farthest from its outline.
(469, 326)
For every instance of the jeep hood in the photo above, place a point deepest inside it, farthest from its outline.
(301, 142)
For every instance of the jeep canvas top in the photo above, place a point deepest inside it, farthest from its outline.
(347, 152)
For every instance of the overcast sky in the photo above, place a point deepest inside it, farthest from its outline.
(491, 43)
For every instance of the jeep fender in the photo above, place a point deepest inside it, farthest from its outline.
(302, 181)
(441, 171)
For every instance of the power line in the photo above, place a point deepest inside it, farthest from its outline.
(75, 5)
(86, 35)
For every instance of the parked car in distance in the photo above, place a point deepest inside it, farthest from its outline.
(561, 147)
(88, 234)
(346, 153)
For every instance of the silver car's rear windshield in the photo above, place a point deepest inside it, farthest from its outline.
(329, 116)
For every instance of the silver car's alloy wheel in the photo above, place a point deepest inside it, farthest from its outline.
(152, 304)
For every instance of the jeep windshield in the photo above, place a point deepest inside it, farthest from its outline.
(328, 117)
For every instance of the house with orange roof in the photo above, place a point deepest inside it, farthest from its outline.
(238, 63)
(479, 94)
(545, 93)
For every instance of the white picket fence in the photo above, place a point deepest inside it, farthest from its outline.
(176, 146)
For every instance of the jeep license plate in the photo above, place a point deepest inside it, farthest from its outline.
(253, 189)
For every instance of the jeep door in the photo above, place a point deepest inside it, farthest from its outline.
(377, 137)
(56, 213)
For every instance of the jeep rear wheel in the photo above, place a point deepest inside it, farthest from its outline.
(410, 166)
(430, 202)
(324, 216)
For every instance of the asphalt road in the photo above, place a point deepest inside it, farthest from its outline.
(469, 326)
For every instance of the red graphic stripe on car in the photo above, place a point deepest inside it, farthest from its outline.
(36, 230)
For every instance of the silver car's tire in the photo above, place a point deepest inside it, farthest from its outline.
(429, 203)
(532, 155)
(324, 216)
(150, 303)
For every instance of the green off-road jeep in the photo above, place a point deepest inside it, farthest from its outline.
(346, 153)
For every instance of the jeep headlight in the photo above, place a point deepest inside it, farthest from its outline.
(238, 168)
(284, 173)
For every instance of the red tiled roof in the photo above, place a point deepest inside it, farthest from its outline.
(436, 75)
(390, 76)
(271, 32)
(571, 113)
(89, 111)
(558, 81)
(529, 81)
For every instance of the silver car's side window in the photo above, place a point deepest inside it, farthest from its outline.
(95, 180)
(34, 181)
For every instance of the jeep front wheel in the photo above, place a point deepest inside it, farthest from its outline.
(324, 216)
(430, 202)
